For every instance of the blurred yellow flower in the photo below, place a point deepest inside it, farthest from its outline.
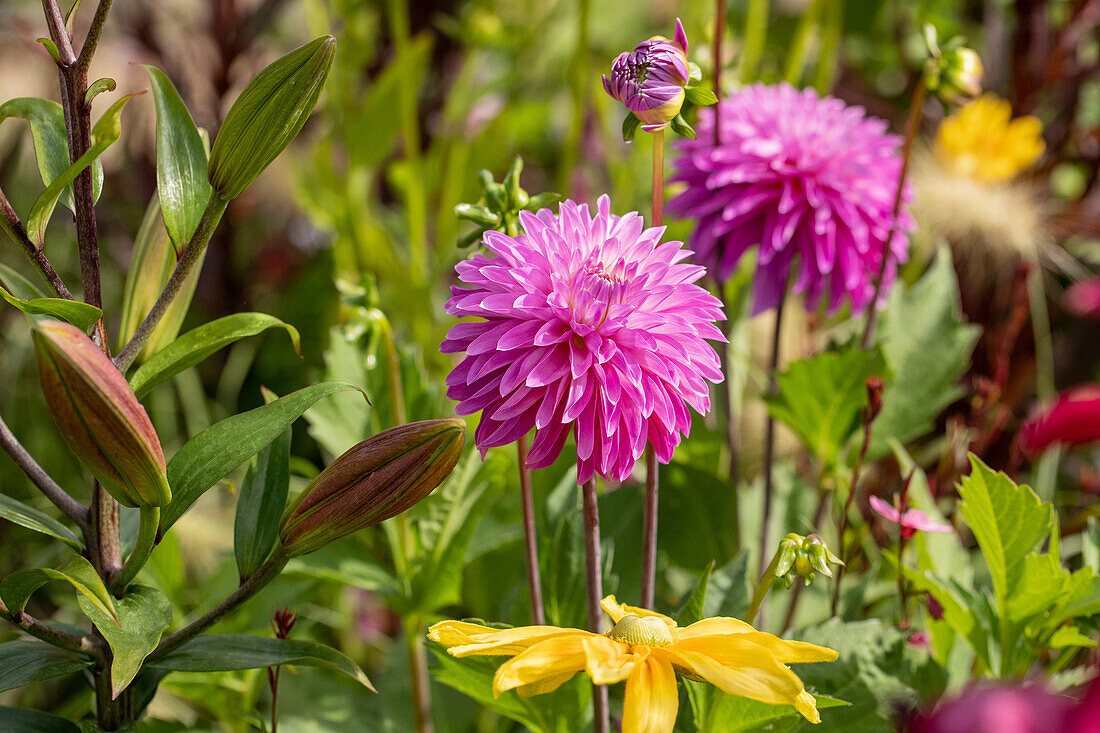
(983, 142)
(643, 648)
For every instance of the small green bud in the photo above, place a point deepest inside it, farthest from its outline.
(804, 556)
(952, 72)
(270, 111)
(99, 416)
(373, 481)
(478, 215)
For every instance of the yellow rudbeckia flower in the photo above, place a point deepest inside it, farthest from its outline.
(643, 648)
(983, 142)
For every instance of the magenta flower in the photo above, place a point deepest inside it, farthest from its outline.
(912, 521)
(799, 175)
(1012, 708)
(589, 321)
(1083, 298)
(1073, 418)
(650, 80)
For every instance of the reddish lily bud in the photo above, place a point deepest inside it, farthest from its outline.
(99, 416)
(373, 481)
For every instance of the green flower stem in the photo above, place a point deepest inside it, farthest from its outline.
(146, 541)
(1046, 470)
(51, 635)
(250, 587)
(649, 528)
(38, 476)
(916, 106)
(10, 223)
(594, 572)
(769, 434)
(762, 587)
(530, 534)
(192, 256)
(756, 32)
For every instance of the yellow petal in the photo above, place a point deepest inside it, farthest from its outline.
(547, 664)
(610, 661)
(465, 639)
(651, 699)
(767, 680)
(717, 640)
(714, 625)
(617, 610)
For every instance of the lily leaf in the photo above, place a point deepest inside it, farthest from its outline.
(31, 518)
(26, 660)
(144, 614)
(79, 314)
(16, 589)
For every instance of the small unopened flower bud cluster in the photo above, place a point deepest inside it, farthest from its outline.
(499, 205)
(954, 72)
(804, 556)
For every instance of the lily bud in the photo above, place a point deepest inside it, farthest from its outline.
(99, 416)
(373, 481)
(270, 111)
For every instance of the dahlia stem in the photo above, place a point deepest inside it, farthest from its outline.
(911, 125)
(767, 577)
(719, 31)
(649, 527)
(594, 567)
(769, 435)
(530, 536)
(726, 393)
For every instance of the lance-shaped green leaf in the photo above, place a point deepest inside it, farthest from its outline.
(144, 614)
(196, 345)
(372, 481)
(51, 145)
(18, 720)
(29, 517)
(102, 421)
(152, 263)
(79, 314)
(209, 456)
(16, 589)
(25, 661)
(261, 504)
(106, 131)
(181, 162)
(267, 115)
(18, 285)
(231, 652)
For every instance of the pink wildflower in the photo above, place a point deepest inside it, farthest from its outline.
(1073, 418)
(912, 521)
(589, 321)
(796, 174)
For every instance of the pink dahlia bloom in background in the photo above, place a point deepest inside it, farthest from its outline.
(911, 521)
(1073, 418)
(1083, 298)
(588, 320)
(1012, 708)
(796, 174)
(650, 80)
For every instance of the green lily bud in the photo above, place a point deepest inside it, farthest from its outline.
(373, 481)
(99, 416)
(270, 111)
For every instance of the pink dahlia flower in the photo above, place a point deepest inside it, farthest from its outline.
(796, 174)
(589, 320)
(650, 80)
(911, 521)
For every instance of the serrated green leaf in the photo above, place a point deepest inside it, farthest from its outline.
(209, 456)
(820, 398)
(144, 614)
(105, 132)
(693, 608)
(231, 652)
(697, 511)
(17, 720)
(196, 345)
(1042, 585)
(261, 505)
(1007, 520)
(927, 345)
(16, 589)
(29, 517)
(181, 162)
(79, 314)
(1070, 636)
(51, 145)
(25, 661)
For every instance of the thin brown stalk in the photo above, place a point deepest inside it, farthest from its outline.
(50, 634)
(9, 221)
(769, 438)
(38, 476)
(594, 568)
(530, 535)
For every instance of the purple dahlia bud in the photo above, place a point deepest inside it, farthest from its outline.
(650, 80)
(99, 416)
(373, 481)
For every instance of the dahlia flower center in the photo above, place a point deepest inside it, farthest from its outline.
(647, 630)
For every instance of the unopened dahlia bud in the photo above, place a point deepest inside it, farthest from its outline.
(650, 80)
(803, 556)
(270, 111)
(373, 481)
(953, 73)
(99, 416)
